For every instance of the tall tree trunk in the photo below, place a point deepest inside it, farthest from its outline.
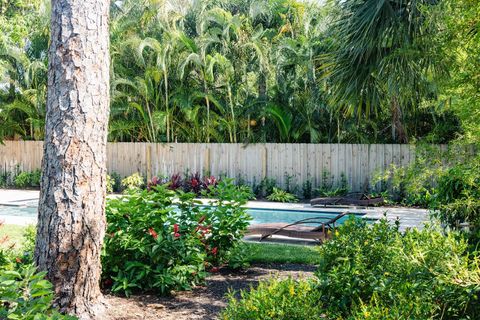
(398, 129)
(262, 98)
(71, 218)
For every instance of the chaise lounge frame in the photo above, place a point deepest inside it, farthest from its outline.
(296, 229)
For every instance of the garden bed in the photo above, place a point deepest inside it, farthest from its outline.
(205, 302)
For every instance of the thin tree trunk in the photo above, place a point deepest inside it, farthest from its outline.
(232, 111)
(398, 129)
(71, 219)
(207, 101)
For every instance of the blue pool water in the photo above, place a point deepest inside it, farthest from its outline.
(258, 215)
(289, 216)
(24, 212)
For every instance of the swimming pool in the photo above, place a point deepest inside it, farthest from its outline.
(258, 215)
(289, 216)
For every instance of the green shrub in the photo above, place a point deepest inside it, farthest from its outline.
(35, 178)
(26, 295)
(457, 198)
(265, 187)
(110, 184)
(133, 182)
(27, 179)
(280, 195)
(424, 274)
(307, 189)
(163, 240)
(328, 190)
(22, 180)
(276, 300)
(117, 181)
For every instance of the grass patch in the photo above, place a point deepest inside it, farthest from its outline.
(14, 234)
(281, 253)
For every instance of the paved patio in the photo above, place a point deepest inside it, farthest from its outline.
(408, 217)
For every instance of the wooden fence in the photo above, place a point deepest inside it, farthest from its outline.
(358, 162)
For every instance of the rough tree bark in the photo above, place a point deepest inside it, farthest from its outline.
(71, 219)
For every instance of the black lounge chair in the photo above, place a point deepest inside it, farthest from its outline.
(352, 199)
(296, 229)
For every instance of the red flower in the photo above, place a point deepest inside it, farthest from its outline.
(214, 251)
(153, 233)
(176, 235)
(175, 228)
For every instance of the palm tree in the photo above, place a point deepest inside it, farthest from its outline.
(381, 57)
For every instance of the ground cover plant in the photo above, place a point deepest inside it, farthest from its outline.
(161, 239)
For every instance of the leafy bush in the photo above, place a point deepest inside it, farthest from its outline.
(265, 187)
(110, 183)
(280, 195)
(117, 181)
(416, 183)
(163, 240)
(24, 293)
(27, 179)
(275, 299)
(421, 274)
(22, 180)
(457, 198)
(328, 189)
(307, 189)
(35, 177)
(133, 182)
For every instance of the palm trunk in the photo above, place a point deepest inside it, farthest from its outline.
(230, 100)
(207, 101)
(166, 105)
(71, 218)
(398, 129)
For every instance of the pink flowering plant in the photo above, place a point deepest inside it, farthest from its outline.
(159, 240)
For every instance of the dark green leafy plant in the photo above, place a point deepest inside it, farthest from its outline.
(22, 180)
(163, 240)
(24, 293)
(457, 197)
(280, 195)
(265, 187)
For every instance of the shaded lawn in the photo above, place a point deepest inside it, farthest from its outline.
(281, 253)
(13, 234)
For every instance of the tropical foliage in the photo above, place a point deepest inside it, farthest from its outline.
(373, 271)
(161, 239)
(263, 71)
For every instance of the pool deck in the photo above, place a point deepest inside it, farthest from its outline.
(408, 217)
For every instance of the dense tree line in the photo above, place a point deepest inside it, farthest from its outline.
(264, 70)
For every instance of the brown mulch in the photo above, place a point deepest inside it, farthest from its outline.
(205, 302)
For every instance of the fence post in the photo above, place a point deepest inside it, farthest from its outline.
(148, 158)
(264, 162)
(206, 164)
